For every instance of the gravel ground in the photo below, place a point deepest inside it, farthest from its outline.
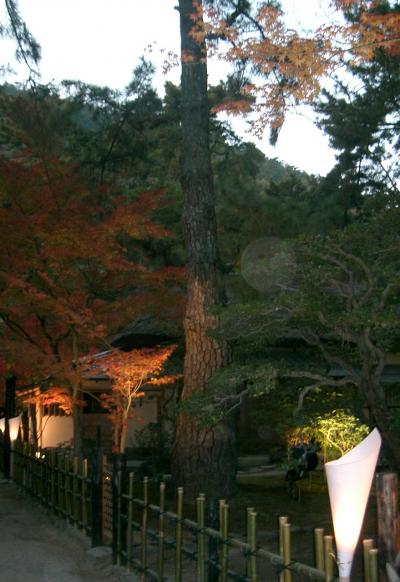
(36, 547)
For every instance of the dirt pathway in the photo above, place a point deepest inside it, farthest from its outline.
(35, 547)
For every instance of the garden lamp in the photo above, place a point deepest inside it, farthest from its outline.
(349, 483)
(14, 424)
(3, 424)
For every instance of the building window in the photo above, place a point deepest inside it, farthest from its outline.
(53, 410)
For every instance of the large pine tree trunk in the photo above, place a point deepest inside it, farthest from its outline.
(204, 459)
(375, 397)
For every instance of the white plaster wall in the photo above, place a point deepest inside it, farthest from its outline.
(57, 431)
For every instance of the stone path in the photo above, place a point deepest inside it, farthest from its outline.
(36, 547)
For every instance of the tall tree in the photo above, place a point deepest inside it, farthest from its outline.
(67, 265)
(340, 297)
(27, 48)
(362, 121)
(129, 373)
(289, 68)
(204, 458)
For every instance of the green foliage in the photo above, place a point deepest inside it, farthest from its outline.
(361, 118)
(225, 392)
(332, 325)
(27, 48)
(337, 432)
(258, 197)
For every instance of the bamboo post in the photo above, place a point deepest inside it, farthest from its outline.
(57, 482)
(287, 552)
(96, 505)
(319, 548)
(59, 500)
(38, 463)
(68, 500)
(16, 452)
(42, 477)
(60, 486)
(14, 471)
(36, 467)
(23, 467)
(106, 481)
(328, 558)
(12, 462)
(17, 464)
(30, 464)
(388, 515)
(178, 555)
(119, 520)
(367, 546)
(83, 493)
(212, 518)
(224, 529)
(129, 521)
(25, 476)
(145, 517)
(201, 540)
(14, 455)
(253, 546)
(64, 485)
(45, 477)
(21, 463)
(161, 532)
(220, 506)
(75, 489)
(282, 521)
(373, 564)
(249, 510)
(52, 481)
(114, 485)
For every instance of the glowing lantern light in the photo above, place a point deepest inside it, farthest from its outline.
(349, 484)
(14, 424)
(2, 424)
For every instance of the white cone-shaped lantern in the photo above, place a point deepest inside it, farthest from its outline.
(2, 424)
(349, 484)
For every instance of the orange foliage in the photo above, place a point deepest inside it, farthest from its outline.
(54, 395)
(291, 65)
(129, 372)
(67, 281)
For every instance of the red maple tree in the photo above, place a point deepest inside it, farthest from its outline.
(68, 274)
(289, 64)
(130, 372)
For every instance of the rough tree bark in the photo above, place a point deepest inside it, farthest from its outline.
(204, 459)
(374, 394)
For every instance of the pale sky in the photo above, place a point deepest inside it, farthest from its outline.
(100, 42)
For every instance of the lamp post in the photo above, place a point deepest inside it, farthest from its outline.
(349, 483)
